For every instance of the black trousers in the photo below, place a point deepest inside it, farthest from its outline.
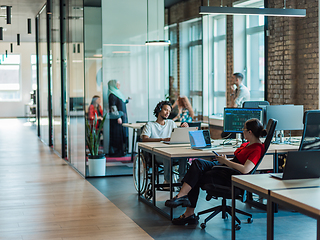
(202, 172)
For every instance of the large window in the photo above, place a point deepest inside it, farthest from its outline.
(34, 72)
(219, 65)
(191, 64)
(249, 50)
(10, 85)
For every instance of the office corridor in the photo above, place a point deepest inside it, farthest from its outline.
(41, 197)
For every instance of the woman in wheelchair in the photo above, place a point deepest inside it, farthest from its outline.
(246, 157)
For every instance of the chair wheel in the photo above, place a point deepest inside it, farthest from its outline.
(148, 194)
(203, 225)
(249, 220)
(237, 227)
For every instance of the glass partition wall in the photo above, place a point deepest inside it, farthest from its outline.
(75, 87)
(43, 77)
(56, 77)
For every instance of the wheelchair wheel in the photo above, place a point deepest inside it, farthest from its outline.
(142, 174)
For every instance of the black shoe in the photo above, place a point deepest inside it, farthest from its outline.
(175, 202)
(182, 220)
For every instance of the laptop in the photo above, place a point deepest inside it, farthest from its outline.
(180, 135)
(300, 165)
(201, 140)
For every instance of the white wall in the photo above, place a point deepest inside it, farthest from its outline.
(17, 109)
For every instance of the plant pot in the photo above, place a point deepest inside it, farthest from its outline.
(97, 165)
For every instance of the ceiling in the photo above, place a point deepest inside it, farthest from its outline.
(24, 9)
(20, 12)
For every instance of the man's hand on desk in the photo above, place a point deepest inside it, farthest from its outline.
(184, 124)
(165, 139)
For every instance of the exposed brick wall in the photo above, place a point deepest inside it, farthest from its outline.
(293, 55)
(229, 39)
(293, 66)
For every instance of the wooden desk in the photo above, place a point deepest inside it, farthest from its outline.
(264, 185)
(304, 200)
(136, 126)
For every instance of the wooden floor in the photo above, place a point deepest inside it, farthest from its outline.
(41, 197)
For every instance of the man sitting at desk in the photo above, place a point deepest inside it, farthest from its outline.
(161, 130)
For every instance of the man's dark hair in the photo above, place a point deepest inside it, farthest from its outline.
(159, 106)
(238, 75)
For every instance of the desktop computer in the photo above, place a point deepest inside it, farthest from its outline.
(290, 117)
(235, 118)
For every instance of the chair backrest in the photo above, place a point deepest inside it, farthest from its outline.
(311, 131)
(271, 127)
(254, 104)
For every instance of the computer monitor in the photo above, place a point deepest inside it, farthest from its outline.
(290, 117)
(234, 118)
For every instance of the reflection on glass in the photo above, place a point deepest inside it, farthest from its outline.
(75, 92)
(56, 77)
(43, 78)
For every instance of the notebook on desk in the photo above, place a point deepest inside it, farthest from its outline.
(201, 140)
(300, 165)
(180, 135)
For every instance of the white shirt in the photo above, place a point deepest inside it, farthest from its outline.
(156, 130)
(242, 95)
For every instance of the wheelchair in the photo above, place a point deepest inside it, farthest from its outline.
(145, 187)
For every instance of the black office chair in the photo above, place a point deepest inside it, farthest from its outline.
(311, 131)
(254, 104)
(216, 190)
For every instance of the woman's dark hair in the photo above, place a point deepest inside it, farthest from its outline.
(159, 106)
(256, 127)
(94, 99)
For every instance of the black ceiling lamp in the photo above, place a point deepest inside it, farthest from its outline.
(8, 14)
(1, 33)
(6, 53)
(11, 47)
(29, 25)
(18, 39)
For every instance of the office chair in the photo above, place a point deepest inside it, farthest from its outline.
(311, 131)
(216, 190)
(254, 104)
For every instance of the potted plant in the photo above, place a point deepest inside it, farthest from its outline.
(96, 161)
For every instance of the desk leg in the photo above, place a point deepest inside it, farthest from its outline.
(270, 219)
(133, 145)
(170, 185)
(276, 170)
(153, 181)
(318, 228)
(233, 213)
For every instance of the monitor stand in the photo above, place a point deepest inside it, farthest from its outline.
(279, 137)
(238, 139)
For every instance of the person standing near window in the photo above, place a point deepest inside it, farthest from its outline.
(118, 115)
(240, 92)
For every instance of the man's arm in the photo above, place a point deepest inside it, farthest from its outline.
(145, 138)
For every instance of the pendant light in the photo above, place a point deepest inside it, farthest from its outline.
(8, 14)
(155, 42)
(29, 25)
(11, 47)
(275, 12)
(1, 33)
(18, 39)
